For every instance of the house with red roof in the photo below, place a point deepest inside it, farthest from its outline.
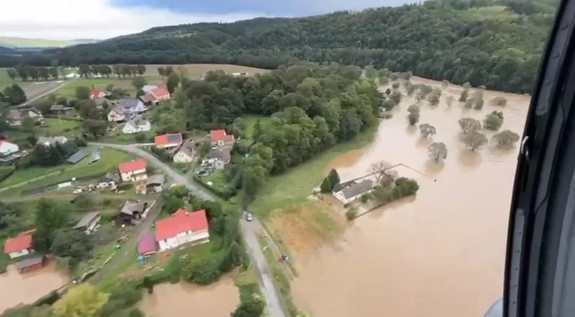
(167, 141)
(20, 245)
(97, 93)
(181, 228)
(133, 171)
(221, 138)
(156, 95)
(147, 245)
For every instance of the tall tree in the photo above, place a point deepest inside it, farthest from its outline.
(173, 82)
(48, 218)
(11, 73)
(82, 92)
(80, 301)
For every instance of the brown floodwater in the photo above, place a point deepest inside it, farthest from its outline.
(184, 299)
(16, 288)
(440, 253)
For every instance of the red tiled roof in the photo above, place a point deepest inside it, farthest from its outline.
(95, 92)
(181, 221)
(19, 243)
(220, 135)
(175, 138)
(160, 92)
(132, 165)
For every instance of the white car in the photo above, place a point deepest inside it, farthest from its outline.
(249, 216)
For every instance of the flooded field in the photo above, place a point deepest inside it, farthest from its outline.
(440, 253)
(16, 288)
(182, 300)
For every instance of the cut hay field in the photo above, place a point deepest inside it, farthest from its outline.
(196, 70)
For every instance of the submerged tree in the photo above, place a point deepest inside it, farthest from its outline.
(413, 116)
(80, 301)
(493, 121)
(427, 130)
(499, 101)
(384, 173)
(469, 125)
(506, 138)
(449, 101)
(437, 151)
(474, 140)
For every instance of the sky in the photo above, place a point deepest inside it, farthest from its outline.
(101, 19)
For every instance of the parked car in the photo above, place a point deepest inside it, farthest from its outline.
(249, 216)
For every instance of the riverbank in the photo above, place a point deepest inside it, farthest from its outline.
(297, 184)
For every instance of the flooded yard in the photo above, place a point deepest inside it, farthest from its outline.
(16, 288)
(440, 253)
(183, 299)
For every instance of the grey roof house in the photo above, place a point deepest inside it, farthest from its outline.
(130, 212)
(61, 110)
(89, 223)
(353, 191)
(77, 157)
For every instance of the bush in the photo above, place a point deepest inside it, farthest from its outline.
(80, 142)
(365, 197)
(351, 213)
(140, 137)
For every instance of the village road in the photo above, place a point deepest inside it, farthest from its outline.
(248, 229)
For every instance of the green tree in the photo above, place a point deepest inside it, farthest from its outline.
(139, 82)
(13, 95)
(74, 245)
(413, 115)
(80, 301)
(251, 305)
(11, 73)
(173, 82)
(506, 138)
(493, 121)
(48, 218)
(427, 130)
(333, 177)
(326, 185)
(437, 151)
(82, 92)
(28, 125)
(464, 95)
(474, 140)
(469, 125)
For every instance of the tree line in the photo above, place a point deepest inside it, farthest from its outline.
(460, 41)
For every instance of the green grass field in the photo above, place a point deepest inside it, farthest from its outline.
(24, 179)
(70, 89)
(4, 79)
(295, 185)
(25, 42)
(50, 127)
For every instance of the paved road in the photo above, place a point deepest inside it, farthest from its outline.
(249, 230)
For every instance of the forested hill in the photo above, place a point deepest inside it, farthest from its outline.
(497, 43)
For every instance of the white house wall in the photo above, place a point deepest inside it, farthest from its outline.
(18, 254)
(184, 238)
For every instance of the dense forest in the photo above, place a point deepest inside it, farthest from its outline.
(496, 43)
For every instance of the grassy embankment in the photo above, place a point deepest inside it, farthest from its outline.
(38, 177)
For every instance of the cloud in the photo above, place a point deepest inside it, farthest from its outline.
(97, 19)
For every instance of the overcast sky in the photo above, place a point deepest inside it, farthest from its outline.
(100, 19)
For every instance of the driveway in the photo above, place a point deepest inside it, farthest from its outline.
(249, 230)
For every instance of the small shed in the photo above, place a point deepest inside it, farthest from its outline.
(31, 263)
(77, 157)
(147, 245)
(89, 223)
(155, 183)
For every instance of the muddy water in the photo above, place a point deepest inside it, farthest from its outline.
(16, 288)
(183, 299)
(438, 254)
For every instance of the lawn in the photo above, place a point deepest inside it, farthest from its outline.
(21, 179)
(50, 127)
(70, 89)
(217, 179)
(296, 184)
(4, 79)
(250, 122)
